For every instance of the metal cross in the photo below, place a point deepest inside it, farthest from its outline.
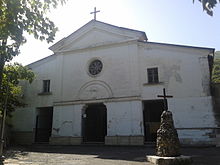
(165, 99)
(94, 12)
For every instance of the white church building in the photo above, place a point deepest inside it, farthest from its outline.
(101, 86)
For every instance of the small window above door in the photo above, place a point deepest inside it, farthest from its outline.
(152, 75)
(46, 88)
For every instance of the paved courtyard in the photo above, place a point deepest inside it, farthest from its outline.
(99, 155)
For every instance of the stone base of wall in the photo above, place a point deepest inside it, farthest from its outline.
(27, 138)
(124, 140)
(23, 138)
(198, 136)
(65, 140)
(191, 142)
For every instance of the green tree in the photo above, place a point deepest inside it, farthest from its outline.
(216, 71)
(18, 16)
(208, 5)
(13, 74)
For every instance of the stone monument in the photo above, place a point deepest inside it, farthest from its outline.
(167, 138)
(167, 144)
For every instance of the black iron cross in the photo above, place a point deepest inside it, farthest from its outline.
(94, 12)
(165, 99)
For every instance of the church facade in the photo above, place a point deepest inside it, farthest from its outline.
(101, 86)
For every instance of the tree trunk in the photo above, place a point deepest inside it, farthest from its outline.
(2, 63)
(2, 59)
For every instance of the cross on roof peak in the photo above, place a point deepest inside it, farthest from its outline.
(94, 12)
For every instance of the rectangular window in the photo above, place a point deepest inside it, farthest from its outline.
(152, 74)
(46, 86)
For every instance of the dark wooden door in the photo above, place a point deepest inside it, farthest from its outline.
(152, 112)
(43, 125)
(95, 123)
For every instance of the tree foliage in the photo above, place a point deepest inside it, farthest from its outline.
(12, 75)
(18, 16)
(208, 5)
(216, 71)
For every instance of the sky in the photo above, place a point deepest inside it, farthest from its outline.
(166, 21)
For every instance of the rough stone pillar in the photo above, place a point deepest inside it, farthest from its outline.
(168, 144)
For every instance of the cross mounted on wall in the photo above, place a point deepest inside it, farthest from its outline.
(94, 12)
(165, 99)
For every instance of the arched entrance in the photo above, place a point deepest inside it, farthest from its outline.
(94, 126)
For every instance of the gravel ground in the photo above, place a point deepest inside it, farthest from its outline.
(99, 155)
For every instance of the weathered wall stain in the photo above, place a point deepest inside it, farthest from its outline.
(205, 78)
(172, 71)
(59, 128)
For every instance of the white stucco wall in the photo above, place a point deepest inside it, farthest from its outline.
(124, 118)
(46, 69)
(67, 121)
(118, 62)
(194, 114)
(197, 111)
(184, 72)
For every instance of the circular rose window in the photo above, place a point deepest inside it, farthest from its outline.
(95, 67)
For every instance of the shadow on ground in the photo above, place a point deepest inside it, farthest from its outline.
(102, 152)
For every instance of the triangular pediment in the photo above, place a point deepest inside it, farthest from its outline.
(96, 33)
